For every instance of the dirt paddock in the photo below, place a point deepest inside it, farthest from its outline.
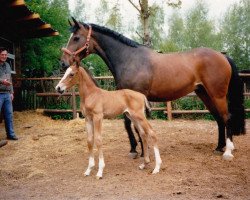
(49, 160)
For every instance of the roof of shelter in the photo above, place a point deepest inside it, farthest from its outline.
(17, 21)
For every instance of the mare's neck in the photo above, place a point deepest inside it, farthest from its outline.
(113, 52)
(86, 84)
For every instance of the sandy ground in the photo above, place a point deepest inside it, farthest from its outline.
(49, 160)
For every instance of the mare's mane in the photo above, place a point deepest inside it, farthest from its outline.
(108, 32)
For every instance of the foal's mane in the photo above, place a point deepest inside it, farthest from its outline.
(90, 75)
(108, 32)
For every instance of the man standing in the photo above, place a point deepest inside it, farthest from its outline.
(6, 94)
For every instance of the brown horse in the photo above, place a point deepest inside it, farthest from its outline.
(97, 104)
(165, 77)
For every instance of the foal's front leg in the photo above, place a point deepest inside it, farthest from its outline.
(97, 121)
(90, 141)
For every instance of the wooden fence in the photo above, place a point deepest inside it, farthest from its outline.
(39, 92)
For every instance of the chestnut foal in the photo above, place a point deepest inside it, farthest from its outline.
(97, 104)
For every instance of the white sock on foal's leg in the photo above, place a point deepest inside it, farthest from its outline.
(158, 161)
(229, 148)
(101, 167)
(90, 166)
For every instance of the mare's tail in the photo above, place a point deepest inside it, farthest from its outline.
(235, 102)
(147, 107)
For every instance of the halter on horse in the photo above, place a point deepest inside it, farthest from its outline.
(166, 77)
(97, 104)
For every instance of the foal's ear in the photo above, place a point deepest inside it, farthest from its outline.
(77, 64)
(76, 24)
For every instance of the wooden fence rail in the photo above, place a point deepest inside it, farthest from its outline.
(168, 110)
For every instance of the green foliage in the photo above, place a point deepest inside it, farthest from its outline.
(247, 105)
(114, 20)
(96, 65)
(235, 30)
(192, 31)
(42, 54)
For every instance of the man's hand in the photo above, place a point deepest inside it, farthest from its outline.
(6, 82)
(12, 97)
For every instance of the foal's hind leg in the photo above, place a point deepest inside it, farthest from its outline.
(145, 131)
(90, 141)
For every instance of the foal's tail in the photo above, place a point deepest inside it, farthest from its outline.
(147, 107)
(235, 102)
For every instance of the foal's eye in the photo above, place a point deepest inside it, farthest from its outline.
(71, 75)
(76, 39)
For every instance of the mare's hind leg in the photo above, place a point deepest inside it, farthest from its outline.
(133, 143)
(140, 140)
(202, 94)
(90, 141)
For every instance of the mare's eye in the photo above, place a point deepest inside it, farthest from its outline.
(76, 39)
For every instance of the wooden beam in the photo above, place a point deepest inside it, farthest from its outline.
(17, 3)
(44, 26)
(29, 17)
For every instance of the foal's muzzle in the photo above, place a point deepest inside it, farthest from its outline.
(59, 90)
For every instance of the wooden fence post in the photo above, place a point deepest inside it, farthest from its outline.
(74, 102)
(169, 110)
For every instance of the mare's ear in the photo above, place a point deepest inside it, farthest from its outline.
(76, 24)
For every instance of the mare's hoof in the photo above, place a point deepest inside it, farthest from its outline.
(218, 151)
(133, 155)
(228, 157)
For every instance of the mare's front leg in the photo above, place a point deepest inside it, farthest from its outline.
(90, 142)
(97, 122)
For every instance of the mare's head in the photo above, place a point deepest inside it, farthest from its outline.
(70, 78)
(79, 44)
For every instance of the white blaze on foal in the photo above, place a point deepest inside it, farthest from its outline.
(97, 104)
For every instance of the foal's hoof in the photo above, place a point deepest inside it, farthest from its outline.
(133, 155)
(142, 166)
(228, 157)
(98, 177)
(156, 171)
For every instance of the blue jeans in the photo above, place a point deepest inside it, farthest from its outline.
(7, 109)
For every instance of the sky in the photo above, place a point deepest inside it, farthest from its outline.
(216, 8)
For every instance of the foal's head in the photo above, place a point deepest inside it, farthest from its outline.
(70, 78)
(79, 44)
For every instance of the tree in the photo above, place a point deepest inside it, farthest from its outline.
(176, 33)
(199, 30)
(235, 30)
(115, 21)
(101, 12)
(79, 11)
(145, 12)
